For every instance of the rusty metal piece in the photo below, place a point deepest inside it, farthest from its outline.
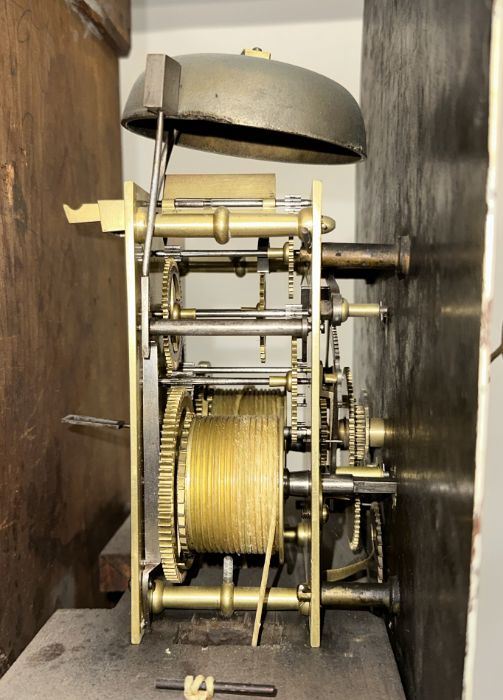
(363, 259)
(224, 687)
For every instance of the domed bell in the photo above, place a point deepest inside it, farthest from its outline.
(253, 107)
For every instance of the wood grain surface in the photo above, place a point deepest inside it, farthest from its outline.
(111, 19)
(63, 491)
(425, 95)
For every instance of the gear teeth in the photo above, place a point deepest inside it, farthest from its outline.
(294, 394)
(171, 293)
(351, 406)
(291, 269)
(261, 307)
(360, 433)
(376, 524)
(355, 543)
(324, 431)
(335, 349)
(358, 421)
(180, 491)
(334, 402)
(178, 406)
(199, 402)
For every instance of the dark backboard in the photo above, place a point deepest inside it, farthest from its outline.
(425, 98)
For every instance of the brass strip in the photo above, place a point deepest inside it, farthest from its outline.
(265, 574)
(316, 493)
(235, 186)
(132, 193)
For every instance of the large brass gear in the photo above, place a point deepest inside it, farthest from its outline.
(171, 298)
(181, 519)
(176, 423)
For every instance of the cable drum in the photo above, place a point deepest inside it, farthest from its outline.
(234, 471)
(248, 402)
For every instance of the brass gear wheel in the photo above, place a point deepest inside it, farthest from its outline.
(199, 401)
(351, 420)
(175, 426)
(180, 491)
(294, 392)
(334, 398)
(376, 569)
(357, 422)
(291, 269)
(336, 355)
(171, 296)
(324, 431)
(203, 399)
(360, 433)
(355, 542)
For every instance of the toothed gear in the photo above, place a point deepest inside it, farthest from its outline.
(360, 433)
(355, 542)
(291, 269)
(199, 401)
(334, 400)
(178, 412)
(364, 402)
(351, 421)
(180, 491)
(171, 295)
(335, 349)
(376, 542)
(294, 394)
(324, 431)
(202, 401)
(357, 422)
(261, 307)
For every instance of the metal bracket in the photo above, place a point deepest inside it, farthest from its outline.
(162, 84)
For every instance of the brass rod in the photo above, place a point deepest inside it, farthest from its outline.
(210, 598)
(340, 595)
(222, 223)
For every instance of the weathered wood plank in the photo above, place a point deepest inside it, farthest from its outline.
(63, 491)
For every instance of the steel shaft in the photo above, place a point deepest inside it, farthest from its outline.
(296, 328)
